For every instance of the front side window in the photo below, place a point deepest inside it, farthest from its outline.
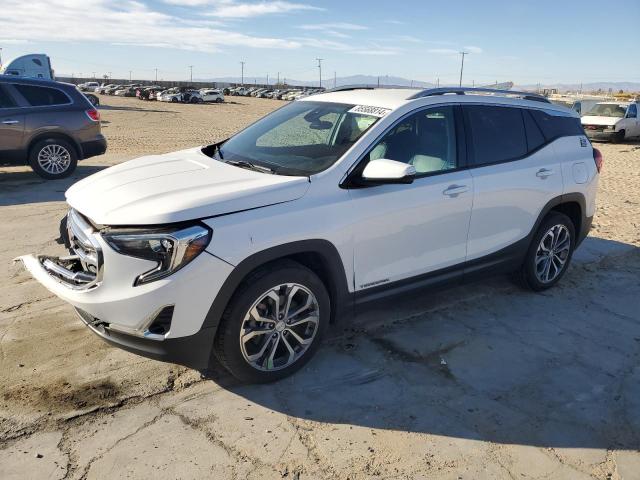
(633, 111)
(426, 140)
(498, 134)
(42, 96)
(302, 138)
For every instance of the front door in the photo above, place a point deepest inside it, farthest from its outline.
(408, 230)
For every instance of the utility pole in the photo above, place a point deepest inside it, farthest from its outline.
(242, 73)
(463, 53)
(156, 74)
(267, 79)
(109, 75)
(438, 82)
(320, 69)
(0, 56)
(278, 79)
(129, 75)
(94, 75)
(378, 81)
(191, 73)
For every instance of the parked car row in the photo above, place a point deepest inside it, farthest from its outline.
(273, 93)
(160, 93)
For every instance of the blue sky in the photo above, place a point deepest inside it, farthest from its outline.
(526, 42)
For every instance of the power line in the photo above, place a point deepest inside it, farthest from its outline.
(463, 53)
(320, 69)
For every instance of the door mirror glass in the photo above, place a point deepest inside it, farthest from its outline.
(383, 171)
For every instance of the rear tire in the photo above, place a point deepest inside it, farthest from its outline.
(218, 100)
(291, 335)
(53, 158)
(549, 254)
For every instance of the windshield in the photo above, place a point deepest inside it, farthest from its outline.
(302, 138)
(608, 110)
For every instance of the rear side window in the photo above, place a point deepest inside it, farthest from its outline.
(554, 126)
(42, 96)
(535, 139)
(5, 100)
(497, 134)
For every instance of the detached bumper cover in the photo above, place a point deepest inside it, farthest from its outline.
(193, 351)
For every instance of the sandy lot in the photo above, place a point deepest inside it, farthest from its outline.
(485, 381)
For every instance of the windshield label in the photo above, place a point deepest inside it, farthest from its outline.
(369, 110)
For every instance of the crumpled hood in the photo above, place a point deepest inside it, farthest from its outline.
(175, 187)
(596, 120)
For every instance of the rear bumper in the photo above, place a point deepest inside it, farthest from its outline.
(94, 147)
(584, 230)
(193, 351)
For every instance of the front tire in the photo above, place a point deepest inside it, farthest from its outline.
(550, 253)
(618, 137)
(274, 323)
(53, 158)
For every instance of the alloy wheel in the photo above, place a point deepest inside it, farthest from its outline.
(279, 327)
(54, 159)
(552, 253)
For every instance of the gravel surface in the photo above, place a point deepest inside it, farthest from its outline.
(481, 381)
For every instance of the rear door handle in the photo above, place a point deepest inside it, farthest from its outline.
(10, 122)
(544, 173)
(455, 190)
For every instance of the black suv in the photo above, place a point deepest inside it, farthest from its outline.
(49, 125)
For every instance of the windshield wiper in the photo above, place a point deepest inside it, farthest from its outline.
(249, 165)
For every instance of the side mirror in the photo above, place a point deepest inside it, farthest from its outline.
(382, 171)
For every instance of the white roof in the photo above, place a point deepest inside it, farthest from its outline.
(393, 98)
(379, 97)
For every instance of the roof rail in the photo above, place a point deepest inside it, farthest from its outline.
(429, 92)
(364, 86)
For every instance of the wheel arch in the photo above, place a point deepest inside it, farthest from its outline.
(320, 256)
(59, 135)
(574, 206)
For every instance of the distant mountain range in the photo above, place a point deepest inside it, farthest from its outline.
(391, 80)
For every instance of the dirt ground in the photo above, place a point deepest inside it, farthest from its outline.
(481, 381)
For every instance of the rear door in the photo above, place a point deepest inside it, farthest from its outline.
(11, 125)
(515, 173)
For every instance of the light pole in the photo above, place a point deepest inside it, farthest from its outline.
(320, 69)
(463, 53)
(242, 73)
(130, 75)
(191, 73)
(0, 56)
(156, 74)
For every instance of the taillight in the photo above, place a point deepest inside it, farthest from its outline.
(597, 157)
(93, 114)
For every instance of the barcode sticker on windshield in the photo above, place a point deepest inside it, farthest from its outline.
(369, 110)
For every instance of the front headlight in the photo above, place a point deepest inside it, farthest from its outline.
(171, 249)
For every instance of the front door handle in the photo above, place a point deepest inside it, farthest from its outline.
(10, 122)
(455, 190)
(544, 173)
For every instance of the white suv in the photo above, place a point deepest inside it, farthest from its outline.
(251, 247)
